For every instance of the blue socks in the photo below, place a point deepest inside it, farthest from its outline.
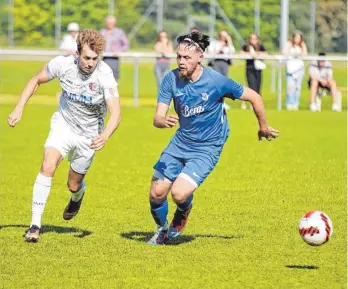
(159, 212)
(186, 205)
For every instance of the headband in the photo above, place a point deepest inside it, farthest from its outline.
(193, 42)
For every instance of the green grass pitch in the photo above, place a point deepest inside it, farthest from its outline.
(242, 232)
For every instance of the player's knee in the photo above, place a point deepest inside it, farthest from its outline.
(178, 198)
(48, 168)
(74, 186)
(157, 195)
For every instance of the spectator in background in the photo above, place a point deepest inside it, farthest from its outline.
(193, 29)
(68, 45)
(255, 49)
(321, 76)
(295, 48)
(223, 46)
(116, 42)
(163, 47)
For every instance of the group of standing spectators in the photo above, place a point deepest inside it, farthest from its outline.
(115, 42)
(320, 72)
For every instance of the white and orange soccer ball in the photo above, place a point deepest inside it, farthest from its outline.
(315, 228)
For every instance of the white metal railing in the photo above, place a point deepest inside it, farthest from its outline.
(278, 61)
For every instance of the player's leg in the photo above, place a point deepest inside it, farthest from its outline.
(194, 173)
(182, 194)
(41, 190)
(77, 187)
(56, 147)
(160, 187)
(80, 159)
(166, 170)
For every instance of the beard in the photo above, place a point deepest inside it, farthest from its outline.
(185, 73)
(182, 73)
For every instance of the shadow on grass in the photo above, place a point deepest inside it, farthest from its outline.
(305, 267)
(56, 229)
(146, 236)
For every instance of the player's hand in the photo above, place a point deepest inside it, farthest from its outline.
(14, 117)
(116, 53)
(98, 142)
(268, 133)
(171, 121)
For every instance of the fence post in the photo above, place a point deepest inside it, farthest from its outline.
(273, 77)
(11, 23)
(279, 94)
(136, 82)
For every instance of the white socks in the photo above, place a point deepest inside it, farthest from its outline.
(78, 195)
(41, 191)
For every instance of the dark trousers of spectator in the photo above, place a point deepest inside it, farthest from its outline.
(161, 68)
(114, 63)
(254, 78)
(221, 66)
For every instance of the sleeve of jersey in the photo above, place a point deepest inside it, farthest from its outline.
(230, 88)
(54, 67)
(110, 86)
(165, 93)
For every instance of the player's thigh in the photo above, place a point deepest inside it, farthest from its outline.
(81, 157)
(182, 188)
(51, 159)
(57, 145)
(167, 170)
(196, 170)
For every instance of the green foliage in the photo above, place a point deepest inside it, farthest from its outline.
(35, 20)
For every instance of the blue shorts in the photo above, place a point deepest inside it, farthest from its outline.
(194, 169)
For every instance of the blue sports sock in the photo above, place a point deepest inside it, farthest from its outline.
(186, 205)
(159, 212)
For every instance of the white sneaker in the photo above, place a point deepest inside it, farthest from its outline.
(336, 107)
(289, 107)
(226, 106)
(313, 107)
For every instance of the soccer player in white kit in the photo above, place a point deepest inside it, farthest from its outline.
(77, 127)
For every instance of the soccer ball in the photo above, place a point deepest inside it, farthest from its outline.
(315, 228)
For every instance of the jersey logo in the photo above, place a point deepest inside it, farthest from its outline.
(92, 86)
(191, 111)
(77, 97)
(205, 96)
(179, 93)
(195, 174)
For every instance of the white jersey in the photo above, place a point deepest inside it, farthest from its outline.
(83, 99)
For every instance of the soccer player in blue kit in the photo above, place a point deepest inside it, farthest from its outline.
(197, 93)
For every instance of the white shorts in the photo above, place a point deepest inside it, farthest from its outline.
(62, 138)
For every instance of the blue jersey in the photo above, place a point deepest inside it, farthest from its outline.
(199, 105)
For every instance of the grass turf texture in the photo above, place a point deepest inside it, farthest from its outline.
(242, 231)
(15, 74)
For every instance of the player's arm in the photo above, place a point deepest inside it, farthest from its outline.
(113, 105)
(161, 119)
(33, 84)
(165, 94)
(255, 99)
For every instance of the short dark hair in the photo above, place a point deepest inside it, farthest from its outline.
(195, 38)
